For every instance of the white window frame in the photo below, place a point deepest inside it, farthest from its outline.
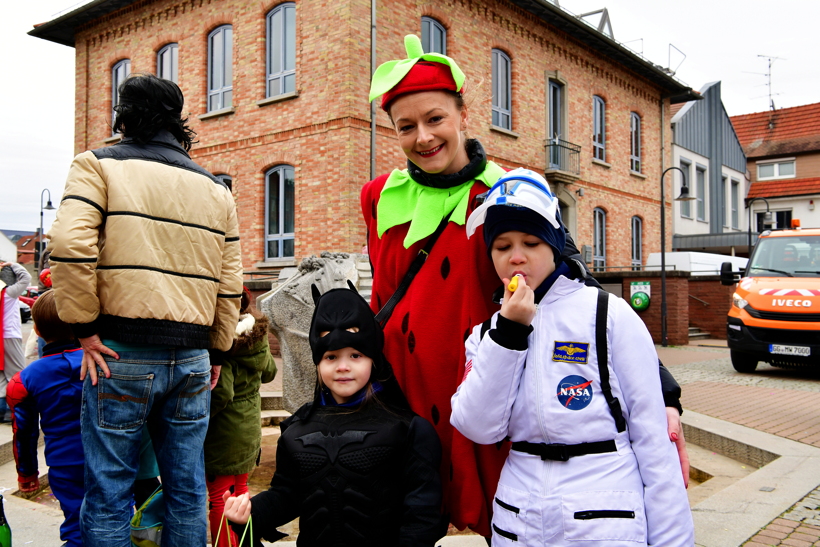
(598, 128)
(686, 206)
(635, 163)
(280, 237)
(700, 193)
(724, 188)
(637, 243)
(599, 240)
(502, 82)
(221, 90)
(168, 62)
(119, 73)
(430, 30)
(735, 197)
(777, 163)
(281, 30)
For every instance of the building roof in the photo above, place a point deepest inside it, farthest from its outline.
(62, 30)
(784, 188)
(779, 132)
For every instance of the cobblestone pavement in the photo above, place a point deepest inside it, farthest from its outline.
(797, 527)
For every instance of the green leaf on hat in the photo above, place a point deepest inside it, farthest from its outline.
(389, 74)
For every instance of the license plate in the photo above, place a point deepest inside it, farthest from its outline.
(789, 350)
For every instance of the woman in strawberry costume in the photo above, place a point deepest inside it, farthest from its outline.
(452, 292)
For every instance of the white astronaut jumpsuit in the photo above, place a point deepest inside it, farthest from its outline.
(551, 393)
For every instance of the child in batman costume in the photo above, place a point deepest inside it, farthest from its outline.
(357, 468)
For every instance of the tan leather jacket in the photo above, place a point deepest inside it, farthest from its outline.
(145, 248)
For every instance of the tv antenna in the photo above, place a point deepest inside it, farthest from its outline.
(771, 59)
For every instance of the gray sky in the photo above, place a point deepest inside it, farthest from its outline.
(720, 38)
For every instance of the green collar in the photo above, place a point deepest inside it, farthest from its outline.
(403, 200)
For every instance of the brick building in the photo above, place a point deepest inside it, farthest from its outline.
(783, 151)
(277, 94)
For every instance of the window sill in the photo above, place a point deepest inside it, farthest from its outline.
(275, 263)
(217, 113)
(596, 161)
(113, 139)
(504, 131)
(278, 98)
(637, 175)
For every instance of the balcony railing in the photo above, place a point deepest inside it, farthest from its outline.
(563, 161)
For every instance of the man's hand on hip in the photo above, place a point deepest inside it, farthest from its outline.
(93, 350)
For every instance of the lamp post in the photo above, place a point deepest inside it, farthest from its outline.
(48, 207)
(684, 196)
(767, 219)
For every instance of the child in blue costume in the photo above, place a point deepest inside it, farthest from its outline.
(49, 391)
(356, 465)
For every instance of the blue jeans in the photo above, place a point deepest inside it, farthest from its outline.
(167, 391)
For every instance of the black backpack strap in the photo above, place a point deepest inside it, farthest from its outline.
(485, 326)
(387, 310)
(603, 358)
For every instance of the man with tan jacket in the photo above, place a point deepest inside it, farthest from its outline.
(146, 267)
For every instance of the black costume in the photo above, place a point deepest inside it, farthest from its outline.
(360, 474)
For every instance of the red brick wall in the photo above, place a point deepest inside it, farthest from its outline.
(677, 307)
(710, 318)
(324, 132)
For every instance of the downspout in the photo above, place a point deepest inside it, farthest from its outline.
(373, 103)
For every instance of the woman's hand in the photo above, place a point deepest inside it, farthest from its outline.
(675, 429)
(518, 306)
(237, 509)
(93, 349)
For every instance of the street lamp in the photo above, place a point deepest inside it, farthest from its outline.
(767, 219)
(48, 207)
(684, 196)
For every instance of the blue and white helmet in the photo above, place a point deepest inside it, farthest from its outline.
(519, 188)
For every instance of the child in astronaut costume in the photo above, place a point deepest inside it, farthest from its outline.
(591, 463)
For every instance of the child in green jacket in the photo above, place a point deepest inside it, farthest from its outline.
(234, 437)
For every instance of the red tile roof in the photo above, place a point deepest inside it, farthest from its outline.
(777, 132)
(675, 108)
(783, 188)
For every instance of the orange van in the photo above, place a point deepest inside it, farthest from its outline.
(775, 313)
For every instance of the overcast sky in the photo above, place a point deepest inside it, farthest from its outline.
(721, 40)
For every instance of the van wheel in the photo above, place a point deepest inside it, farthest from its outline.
(743, 362)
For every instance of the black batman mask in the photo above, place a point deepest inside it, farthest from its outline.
(343, 319)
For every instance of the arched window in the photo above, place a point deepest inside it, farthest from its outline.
(281, 50)
(220, 68)
(599, 246)
(168, 62)
(637, 243)
(599, 128)
(119, 72)
(433, 36)
(227, 179)
(502, 90)
(635, 163)
(280, 206)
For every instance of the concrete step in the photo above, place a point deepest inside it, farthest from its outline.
(272, 400)
(274, 417)
(365, 283)
(699, 335)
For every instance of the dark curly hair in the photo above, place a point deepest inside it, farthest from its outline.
(147, 105)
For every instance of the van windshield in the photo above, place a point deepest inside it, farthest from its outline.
(786, 256)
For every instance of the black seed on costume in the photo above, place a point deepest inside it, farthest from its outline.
(445, 268)
(499, 444)
(405, 323)
(379, 301)
(435, 415)
(373, 209)
(466, 334)
(411, 341)
(451, 471)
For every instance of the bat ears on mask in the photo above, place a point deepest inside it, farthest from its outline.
(314, 291)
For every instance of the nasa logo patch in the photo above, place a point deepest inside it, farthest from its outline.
(575, 392)
(570, 352)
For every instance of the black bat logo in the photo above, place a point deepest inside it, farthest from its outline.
(331, 443)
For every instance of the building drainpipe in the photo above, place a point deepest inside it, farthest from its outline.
(373, 103)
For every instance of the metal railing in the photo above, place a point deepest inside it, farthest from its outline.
(563, 156)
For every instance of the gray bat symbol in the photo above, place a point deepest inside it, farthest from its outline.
(331, 443)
